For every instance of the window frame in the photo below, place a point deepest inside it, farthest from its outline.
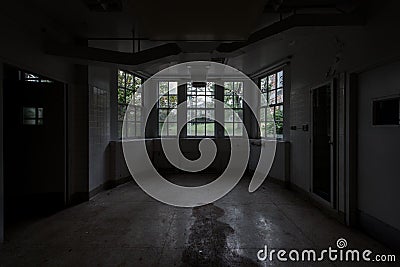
(125, 104)
(169, 108)
(235, 109)
(205, 108)
(275, 105)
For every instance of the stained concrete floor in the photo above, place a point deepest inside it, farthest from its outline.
(125, 227)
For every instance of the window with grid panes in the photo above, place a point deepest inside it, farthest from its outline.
(167, 112)
(272, 89)
(200, 109)
(128, 84)
(233, 100)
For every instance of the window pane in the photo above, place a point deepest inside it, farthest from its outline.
(228, 129)
(172, 117)
(138, 83)
(173, 101)
(172, 129)
(264, 99)
(129, 95)
(280, 79)
(121, 78)
(130, 83)
(279, 96)
(40, 113)
(279, 113)
(201, 115)
(30, 122)
(238, 130)
(229, 115)
(279, 127)
(163, 88)
(163, 113)
(272, 81)
(138, 99)
(264, 85)
(138, 114)
(164, 102)
(40, 122)
(270, 128)
(131, 115)
(191, 114)
(210, 129)
(173, 88)
(238, 101)
(271, 95)
(121, 112)
(239, 113)
(228, 100)
(210, 115)
(130, 129)
(263, 128)
(121, 95)
(201, 131)
(239, 88)
(228, 88)
(201, 101)
(209, 102)
(29, 113)
(191, 129)
(138, 129)
(163, 129)
(191, 102)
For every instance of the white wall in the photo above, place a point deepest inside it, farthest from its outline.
(378, 148)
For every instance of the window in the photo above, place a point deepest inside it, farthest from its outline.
(200, 109)
(272, 89)
(233, 99)
(168, 101)
(29, 77)
(32, 116)
(128, 84)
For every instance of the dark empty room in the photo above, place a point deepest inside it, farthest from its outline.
(199, 133)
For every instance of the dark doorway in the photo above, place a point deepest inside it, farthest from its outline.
(34, 145)
(322, 141)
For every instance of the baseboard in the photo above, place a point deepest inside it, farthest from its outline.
(379, 230)
(108, 185)
(77, 198)
(274, 180)
(325, 208)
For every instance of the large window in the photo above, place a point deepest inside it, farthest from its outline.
(168, 101)
(200, 109)
(128, 85)
(272, 89)
(233, 100)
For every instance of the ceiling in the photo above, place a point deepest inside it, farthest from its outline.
(199, 28)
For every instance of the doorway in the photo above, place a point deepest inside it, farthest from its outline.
(322, 142)
(34, 145)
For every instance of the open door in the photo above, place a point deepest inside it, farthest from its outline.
(322, 142)
(34, 144)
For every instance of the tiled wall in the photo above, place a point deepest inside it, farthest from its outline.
(99, 135)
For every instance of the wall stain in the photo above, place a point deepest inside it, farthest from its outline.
(207, 244)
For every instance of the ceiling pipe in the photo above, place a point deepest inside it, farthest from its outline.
(103, 55)
(296, 20)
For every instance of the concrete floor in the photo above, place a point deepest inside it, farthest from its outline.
(125, 227)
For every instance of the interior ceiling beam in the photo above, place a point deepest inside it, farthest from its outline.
(296, 20)
(109, 56)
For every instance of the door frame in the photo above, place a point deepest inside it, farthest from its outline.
(333, 142)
